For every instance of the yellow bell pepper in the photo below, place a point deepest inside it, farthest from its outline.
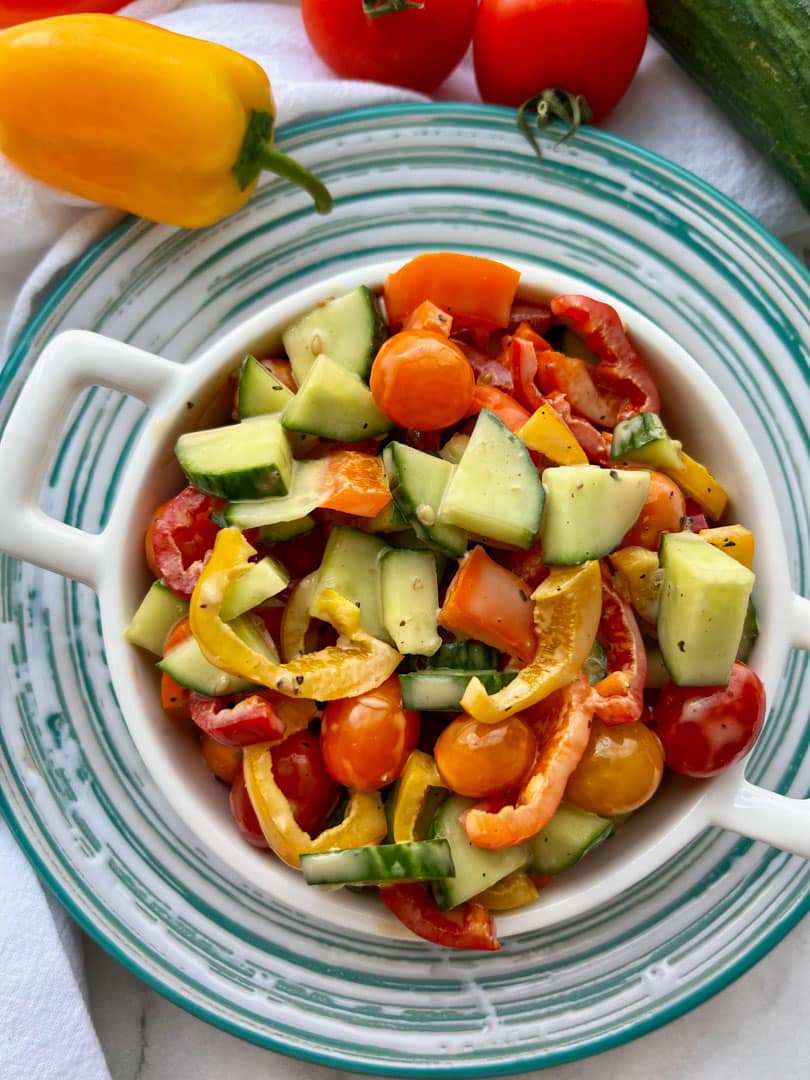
(515, 890)
(639, 571)
(127, 114)
(411, 797)
(546, 432)
(696, 482)
(364, 822)
(735, 540)
(567, 608)
(338, 671)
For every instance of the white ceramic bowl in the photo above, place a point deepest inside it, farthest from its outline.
(185, 397)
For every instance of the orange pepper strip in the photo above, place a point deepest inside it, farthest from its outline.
(357, 484)
(567, 607)
(563, 727)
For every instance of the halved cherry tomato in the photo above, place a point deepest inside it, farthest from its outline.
(366, 740)
(478, 759)
(469, 927)
(705, 729)
(664, 510)
(502, 404)
(180, 537)
(243, 813)
(620, 770)
(300, 772)
(489, 603)
(474, 291)
(358, 484)
(422, 380)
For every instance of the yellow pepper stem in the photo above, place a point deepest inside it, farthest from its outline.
(257, 153)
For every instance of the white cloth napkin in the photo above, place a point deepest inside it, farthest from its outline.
(45, 1027)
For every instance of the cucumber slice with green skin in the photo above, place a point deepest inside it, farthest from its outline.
(595, 666)
(286, 530)
(465, 656)
(494, 492)
(309, 486)
(569, 835)
(376, 864)
(750, 633)
(335, 404)
(643, 438)
(476, 868)
(410, 600)
(589, 510)
(391, 519)
(259, 392)
(248, 460)
(702, 609)
(264, 579)
(442, 691)
(657, 674)
(349, 328)
(351, 565)
(188, 667)
(417, 481)
(158, 613)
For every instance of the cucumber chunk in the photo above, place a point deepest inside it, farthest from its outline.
(188, 667)
(643, 438)
(413, 860)
(417, 481)
(263, 580)
(465, 656)
(476, 868)
(569, 835)
(410, 600)
(249, 460)
(442, 691)
(494, 492)
(702, 609)
(309, 485)
(159, 611)
(351, 565)
(349, 328)
(259, 392)
(335, 404)
(286, 530)
(589, 510)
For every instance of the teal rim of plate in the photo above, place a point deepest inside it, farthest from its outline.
(777, 929)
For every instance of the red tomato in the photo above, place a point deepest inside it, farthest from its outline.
(478, 759)
(588, 47)
(300, 772)
(243, 813)
(179, 538)
(416, 46)
(19, 11)
(366, 740)
(704, 729)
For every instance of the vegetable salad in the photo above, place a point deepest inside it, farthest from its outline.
(447, 598)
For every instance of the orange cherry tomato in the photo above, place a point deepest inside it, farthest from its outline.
(478, 759)
(620, 770)
(366, 740)
(499, 402)
(664, 510)
(223, 761)
(421, 380)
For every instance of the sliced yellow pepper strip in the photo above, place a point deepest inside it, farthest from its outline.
(296, 618)
(638, 569)
(363, 824)
(546, 432)
(696, 482)
(338, 671)
(418, 777)
(513, 891)
(567, 607)
(735, 540)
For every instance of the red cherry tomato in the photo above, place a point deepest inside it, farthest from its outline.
(704, 729)
(19, 11)
(179, 538)
(478, 759)
(416, 47)
(366, 740)
(588, 47)
(243, 813)
(300, 772)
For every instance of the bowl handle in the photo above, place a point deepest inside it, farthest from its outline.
(70, 363)
(758, 813)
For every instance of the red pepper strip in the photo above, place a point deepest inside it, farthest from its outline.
(621, 370)
(469, 928)
(695, 518)
(562, 724)
(523, 360)
(248, 721)
(593, 442)
(526, 313)
(619, 697)
(489, 371)
(183, 538)
(503, 405)
(572, 377)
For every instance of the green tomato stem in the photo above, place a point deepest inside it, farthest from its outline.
(554, 104)
(374, 8)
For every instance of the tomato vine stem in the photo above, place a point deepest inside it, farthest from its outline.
(375, 8)
(551, 104)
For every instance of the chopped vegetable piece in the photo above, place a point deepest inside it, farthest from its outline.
(470, 928)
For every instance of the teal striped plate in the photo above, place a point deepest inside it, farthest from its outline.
(406, 179)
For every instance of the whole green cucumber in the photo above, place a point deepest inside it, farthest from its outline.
(753, 58)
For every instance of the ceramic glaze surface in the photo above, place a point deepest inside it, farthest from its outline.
(406, 179)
